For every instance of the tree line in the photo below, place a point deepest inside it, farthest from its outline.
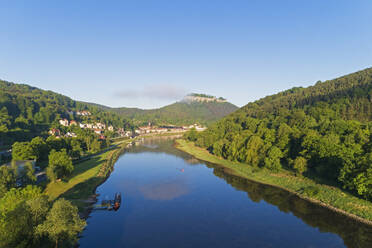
(28, 218)
(322, 132)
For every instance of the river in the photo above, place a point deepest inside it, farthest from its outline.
(171, 199)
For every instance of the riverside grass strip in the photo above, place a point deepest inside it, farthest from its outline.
(86, 177)
(326, 196)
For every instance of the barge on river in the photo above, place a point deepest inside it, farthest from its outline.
(110, 204)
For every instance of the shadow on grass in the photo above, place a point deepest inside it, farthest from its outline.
(84, 189)
(86, 165)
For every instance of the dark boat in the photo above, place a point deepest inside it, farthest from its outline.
(110, 204)
(117, 201)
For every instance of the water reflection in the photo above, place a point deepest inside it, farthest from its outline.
(164, 191)
(353, 233)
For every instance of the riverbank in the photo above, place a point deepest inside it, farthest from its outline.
(327, 196)
(87, 176)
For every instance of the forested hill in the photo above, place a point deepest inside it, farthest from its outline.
(322, 132)
(181, 113)
(349, 97)
(26, 112)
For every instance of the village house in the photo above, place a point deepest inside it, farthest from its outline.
(98, 131)
(83, 113)
(145, 129)
(100, 125)
(122, 133)
(55, 132)
(198, 128)
(64, 122)
(73, 123)
(111, 128)
(173, 129)
(82, 125)
(160, 130)
(71, 134)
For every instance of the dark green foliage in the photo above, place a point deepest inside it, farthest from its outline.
(60, 165)
(20, 214)
(201, 95)
(8, 179)
(26, 216)
(323, 131)
(191, 135)
(62, 224)
(22, 151)
(299, 165)
(27, 174)
(272, 160)
(40, 148)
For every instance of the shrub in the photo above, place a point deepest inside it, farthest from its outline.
(310, 191)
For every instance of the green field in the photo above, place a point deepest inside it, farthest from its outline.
(325, 195)
(80, 186)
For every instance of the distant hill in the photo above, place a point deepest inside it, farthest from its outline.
(323, 131)
(26, 112)
(188, 111)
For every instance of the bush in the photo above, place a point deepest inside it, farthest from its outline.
(299, 165)
(310, 191)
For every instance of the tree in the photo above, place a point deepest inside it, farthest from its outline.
(60, 165)
(95, 146)
(76, 150)
(254, 145)
(4, 120)
(28, 174)
(22, 151)
(272, 161)
(21, 209)
(56, 144)
(62, 224)
(363, 184)
(40, 148)
(7, 179)
(191, 135)
(283, 134)
(22, 122)
(299, 165)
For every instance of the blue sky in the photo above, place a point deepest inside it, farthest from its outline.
(150, 53)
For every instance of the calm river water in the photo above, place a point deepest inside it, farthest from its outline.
(170, 199)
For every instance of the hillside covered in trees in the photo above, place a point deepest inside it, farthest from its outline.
(26, 112)
(181, 113)
(322, 132)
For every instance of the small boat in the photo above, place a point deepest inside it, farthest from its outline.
(117, 201)
(110, 204)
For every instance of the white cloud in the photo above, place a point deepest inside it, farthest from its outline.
(155, 91)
